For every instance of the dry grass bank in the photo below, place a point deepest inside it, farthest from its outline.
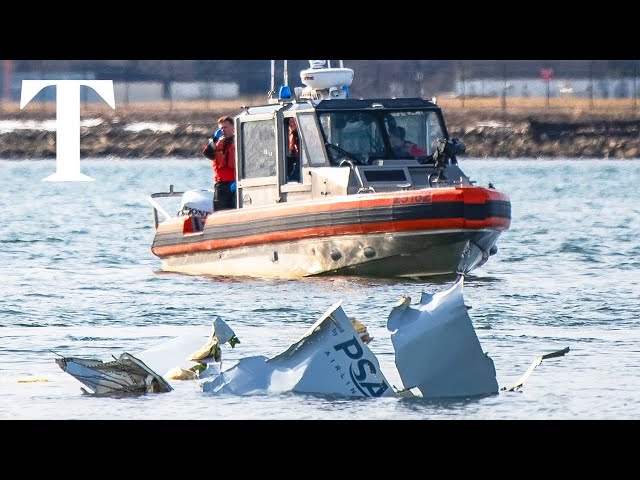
(565, 108)
(486, 106)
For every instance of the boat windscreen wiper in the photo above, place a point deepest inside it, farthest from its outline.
(340, 151)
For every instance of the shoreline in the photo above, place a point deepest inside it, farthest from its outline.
(487, 132)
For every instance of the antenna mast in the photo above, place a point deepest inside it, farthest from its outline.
(273, 78)
(286, 73)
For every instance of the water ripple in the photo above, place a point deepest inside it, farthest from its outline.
(81, 280)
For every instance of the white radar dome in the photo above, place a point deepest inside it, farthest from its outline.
(325, 78)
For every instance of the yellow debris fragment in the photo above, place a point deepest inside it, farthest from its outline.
(210, 349)
(361, 330)
(179, 373)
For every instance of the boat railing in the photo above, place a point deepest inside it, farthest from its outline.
(355, 171)
(157, 208)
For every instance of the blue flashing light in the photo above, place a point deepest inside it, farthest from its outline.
(285, 93)
(345, 89)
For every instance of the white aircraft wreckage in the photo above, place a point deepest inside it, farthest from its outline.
(437, 355)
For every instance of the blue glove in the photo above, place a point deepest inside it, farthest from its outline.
(217, 135)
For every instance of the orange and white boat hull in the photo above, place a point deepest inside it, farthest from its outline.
(406, 234)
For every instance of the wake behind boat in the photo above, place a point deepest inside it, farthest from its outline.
(376, 191)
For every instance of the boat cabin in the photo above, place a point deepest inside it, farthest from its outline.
(344, 146)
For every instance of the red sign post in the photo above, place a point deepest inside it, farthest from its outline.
(546, 74)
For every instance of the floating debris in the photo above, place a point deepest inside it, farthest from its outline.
(437, 355)
(32, 380)
(125, 374)
(518, 384)
(330, 358)
(129, 374)
(437, 349)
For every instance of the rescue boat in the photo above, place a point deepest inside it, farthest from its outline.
(355, 201)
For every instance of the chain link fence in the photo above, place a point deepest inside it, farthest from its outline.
(197, 84)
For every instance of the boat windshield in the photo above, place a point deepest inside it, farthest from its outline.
(371, 135)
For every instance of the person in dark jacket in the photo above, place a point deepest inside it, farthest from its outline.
(293, 157)
(403, 148)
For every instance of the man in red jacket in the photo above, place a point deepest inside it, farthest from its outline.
(221, 151)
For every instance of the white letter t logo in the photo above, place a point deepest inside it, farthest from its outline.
(67, 121)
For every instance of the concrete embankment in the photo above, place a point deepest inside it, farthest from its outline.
(486, 133)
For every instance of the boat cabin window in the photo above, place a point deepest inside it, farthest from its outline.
(258, 149)
(312, 147)
(356, 135)
(365, 135)
(434, 133)
(422, 130)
